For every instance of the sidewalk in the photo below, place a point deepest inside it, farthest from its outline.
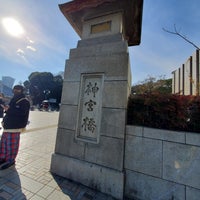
(30, 178)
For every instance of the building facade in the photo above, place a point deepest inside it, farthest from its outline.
(6, 85)
(186, 79)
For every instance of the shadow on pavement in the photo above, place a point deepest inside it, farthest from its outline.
(10, 185)
(77, 191)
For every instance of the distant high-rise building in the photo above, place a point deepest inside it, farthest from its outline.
(6, 85)
(8, 81)
(1, 86)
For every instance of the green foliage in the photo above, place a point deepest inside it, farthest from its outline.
(151, 85)
(171, 112)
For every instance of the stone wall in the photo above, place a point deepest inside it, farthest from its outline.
(161, 164)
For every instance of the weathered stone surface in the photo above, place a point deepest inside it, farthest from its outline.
(66, 145)
(113, 66)
(102, 40)
(107, 180)
(94, 153)
(112, 122)
(111, 91)
(92, 120)
(109, 153)
(143, 187)
(181, 164)
(115, 94)
(143, 155)
(106, 49)
(166, 135)
(134, 130)
(68, 117)
(192, 194)
(89, 30)
(70, 92)
(90, 107)
(80, 12)
(193, 138)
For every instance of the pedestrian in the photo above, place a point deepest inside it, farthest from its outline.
(14, 121)
(1, 103)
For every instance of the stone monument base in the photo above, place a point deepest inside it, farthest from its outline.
(98, 177)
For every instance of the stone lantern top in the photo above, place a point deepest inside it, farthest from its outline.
(78, 12)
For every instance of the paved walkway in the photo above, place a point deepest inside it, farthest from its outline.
(30, 178)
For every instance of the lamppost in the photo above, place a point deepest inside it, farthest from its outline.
(46, 93)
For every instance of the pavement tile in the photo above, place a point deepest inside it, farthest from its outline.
(30, 184)
(4, 195)
(10, 187)
(45, 179)
(79, 194)
(26, 193)
(56, 181)
(19, 195)
(59, 195)
(45, 191)
(31, 179)
(87, 197)
(36, 197)
(5, 173)
(2, 181)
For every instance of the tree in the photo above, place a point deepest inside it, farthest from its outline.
(151, 85)
(178, 33)
(57, 89)
(43, 85)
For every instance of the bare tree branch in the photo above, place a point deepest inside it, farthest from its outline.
(176, 32)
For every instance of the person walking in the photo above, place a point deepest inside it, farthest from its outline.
(14, 121)
(1, 103)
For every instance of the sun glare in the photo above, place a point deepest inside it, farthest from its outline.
(13, 27)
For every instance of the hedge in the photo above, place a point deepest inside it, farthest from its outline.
(171, 112)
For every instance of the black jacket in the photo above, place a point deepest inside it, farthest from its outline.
(1, 109)
(17, 115)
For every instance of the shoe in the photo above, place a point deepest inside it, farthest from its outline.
(2, 161)
(7, 164)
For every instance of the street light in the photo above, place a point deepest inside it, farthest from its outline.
(46, 93)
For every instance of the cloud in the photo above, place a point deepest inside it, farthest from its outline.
(22, 55)
(29, 40)
(20, 52)
(31, 48)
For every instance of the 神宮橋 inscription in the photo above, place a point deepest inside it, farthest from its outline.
(90, 102)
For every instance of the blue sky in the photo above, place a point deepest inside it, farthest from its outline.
(47, 37)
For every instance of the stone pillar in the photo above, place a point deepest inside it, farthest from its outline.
(91, 131)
